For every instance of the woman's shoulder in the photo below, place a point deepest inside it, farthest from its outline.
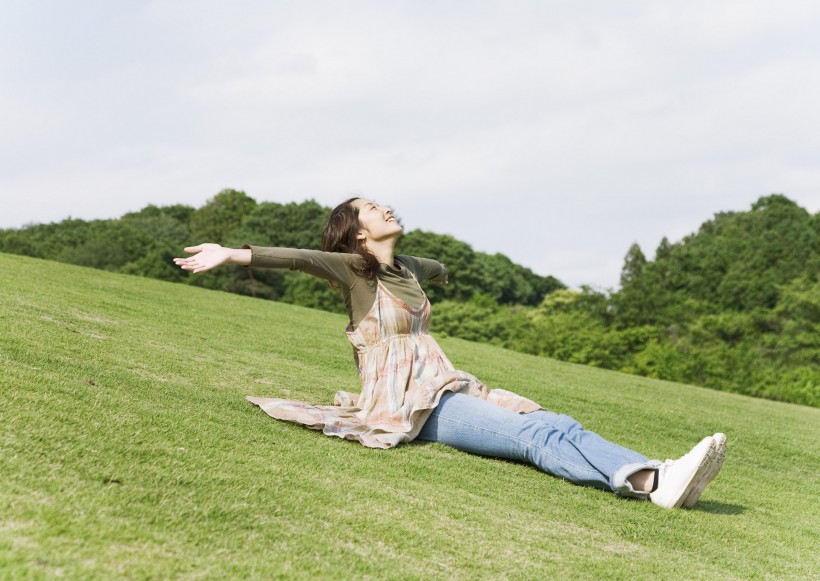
(423, 268)
(407, 260)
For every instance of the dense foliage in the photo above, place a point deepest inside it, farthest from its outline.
(144, 243)
(734, 306)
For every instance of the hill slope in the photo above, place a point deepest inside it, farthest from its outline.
(127, 449)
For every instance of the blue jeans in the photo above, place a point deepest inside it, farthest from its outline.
(556, 444)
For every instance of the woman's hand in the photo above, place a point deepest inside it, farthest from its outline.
(207, 256)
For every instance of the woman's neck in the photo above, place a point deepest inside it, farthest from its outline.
(382, 250)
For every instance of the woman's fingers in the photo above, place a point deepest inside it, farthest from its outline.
(185, 264)
(205, 257)
(190, 263)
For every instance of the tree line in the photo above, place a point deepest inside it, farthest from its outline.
(144, 243)
(734, 306)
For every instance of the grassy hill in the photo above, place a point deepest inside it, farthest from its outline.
(127, 450)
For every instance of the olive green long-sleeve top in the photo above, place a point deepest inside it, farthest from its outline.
(359, 293)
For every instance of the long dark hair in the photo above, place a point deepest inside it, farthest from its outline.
(339, 235)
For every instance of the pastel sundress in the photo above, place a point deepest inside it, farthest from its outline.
(403, 373)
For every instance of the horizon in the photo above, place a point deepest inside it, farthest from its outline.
(555, 134)
(650, 254)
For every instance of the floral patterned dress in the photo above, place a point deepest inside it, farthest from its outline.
(403, 372)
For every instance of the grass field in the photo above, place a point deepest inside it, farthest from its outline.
(127, 450)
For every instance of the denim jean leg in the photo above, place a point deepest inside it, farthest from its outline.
(609, 458)
(555, 443)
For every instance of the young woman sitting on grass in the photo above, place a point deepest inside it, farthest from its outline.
(411, 391)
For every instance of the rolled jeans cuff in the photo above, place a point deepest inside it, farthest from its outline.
(621, 486)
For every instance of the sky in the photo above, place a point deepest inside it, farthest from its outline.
(557, 133)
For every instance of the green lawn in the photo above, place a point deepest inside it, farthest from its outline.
(127, 449)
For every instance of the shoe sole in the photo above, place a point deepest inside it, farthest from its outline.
(699, 472)
(714, 468)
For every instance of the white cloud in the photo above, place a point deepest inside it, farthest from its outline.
(557, 133)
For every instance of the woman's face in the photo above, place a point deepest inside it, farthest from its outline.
(377, 222)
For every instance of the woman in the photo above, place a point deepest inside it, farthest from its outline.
(410, 390)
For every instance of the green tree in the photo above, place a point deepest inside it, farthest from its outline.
(472, 273)
(108, 245)
(220, 216)
(307, 291)
(738, 259)
(634, 264)
(292, 225)
(632, 301)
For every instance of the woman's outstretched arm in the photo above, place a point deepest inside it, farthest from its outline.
(332, 266)
(208, 256)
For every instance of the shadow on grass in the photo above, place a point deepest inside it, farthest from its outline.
(719, 507)
(712, 507)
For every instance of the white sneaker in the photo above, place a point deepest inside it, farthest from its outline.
(676, 478)
(711, 472)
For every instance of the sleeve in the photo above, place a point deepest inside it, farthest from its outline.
(332, 266)
(426, 269)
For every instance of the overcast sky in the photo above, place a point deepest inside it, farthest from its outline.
(557, 133)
